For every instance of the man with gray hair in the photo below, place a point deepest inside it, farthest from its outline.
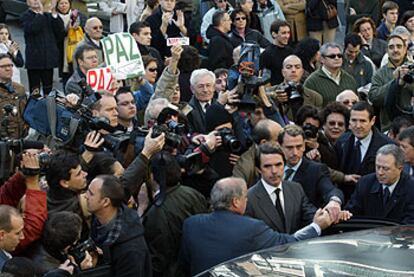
(202, 82)
(330, 79)
(347, 98)
(387, 193)
(209, 239)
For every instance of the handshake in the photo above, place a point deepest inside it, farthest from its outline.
(331, 214)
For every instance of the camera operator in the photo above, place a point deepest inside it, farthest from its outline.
(388, 83)
(291, 94)
(87, 58)
(106, 107)
(12, 102)
(61, 235)
(25, 182)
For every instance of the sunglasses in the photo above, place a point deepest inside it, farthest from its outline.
(152, 69)
(97, 27)
(240, 18)
(221, 1)
(333, 56)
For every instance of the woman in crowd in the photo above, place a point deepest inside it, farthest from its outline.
(308, 51)
(242, 33)
(7, 45)
(407, 20)
(247, 7)
(72, 19)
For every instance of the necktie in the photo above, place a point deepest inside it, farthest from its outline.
(358, 152)
(280, 210)
(288, 173)
(355, 160)
(385, 196)
(206, 106)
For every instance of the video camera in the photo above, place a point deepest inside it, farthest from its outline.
(78, 251)
(10, 151)
(293, 90)
(229, 141)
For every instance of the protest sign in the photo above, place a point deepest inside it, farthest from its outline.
(178, 41)
(100, 79)
(122, 56)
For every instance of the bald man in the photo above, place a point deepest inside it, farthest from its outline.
(93, 36)
(292, 72)
(348, 98)
(266, 130)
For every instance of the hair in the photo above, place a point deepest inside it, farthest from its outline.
(340, 96)
(61, 230)
(113, 189)
(189, 60)
(396, 36)
(335, 107)
(172, 169)
(407, 134)
(363, 20)
(291, 130)
(6, 212)
(326, 46)
(135, 28)
(224, 191)
(364, 106)
(399, 122)
(221, 71)
(277, 24)
(389, 5)
(199, 73)
(305, 112)
(392, 149)
(237, 11)
(59, 168)
(401, 31)
(154, 108)
(261, 131)
(81, 49)
(217, 18)
(57, 5)
(5, 55)
(306, 49)
(104, 93)
(266, 149)
(123, 90)
(147, 59)
(5, 26)
(353, 39)
(20, 266)
(404, 18)
(101, 163)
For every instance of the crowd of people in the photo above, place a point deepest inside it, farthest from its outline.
(262, 131)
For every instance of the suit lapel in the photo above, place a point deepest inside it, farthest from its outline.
(266, 204)
(289, 199)
(299, 174)
(395, 196)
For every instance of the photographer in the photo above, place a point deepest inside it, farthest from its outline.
(25, 182)
(291, 94)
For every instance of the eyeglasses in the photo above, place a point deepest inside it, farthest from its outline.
(240, 18)
(152, 69)
(97, 27)
(336, 123)
(6, 65)
(221, 1)
(347, 102)
(333, 56)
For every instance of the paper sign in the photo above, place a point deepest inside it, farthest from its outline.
(100, 79)
(122, 56)
(178, 41)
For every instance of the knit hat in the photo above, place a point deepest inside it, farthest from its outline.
(216, 115)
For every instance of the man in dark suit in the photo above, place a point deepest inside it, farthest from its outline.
(357, 149)
(209, 239)
(313, 176)
(283, 206)
(388, 193)
(202, 85)
(406, 138)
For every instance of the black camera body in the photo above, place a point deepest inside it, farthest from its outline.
(229, 141)
(78, 251)
(293, 90)
(409, 77)
(310, 131)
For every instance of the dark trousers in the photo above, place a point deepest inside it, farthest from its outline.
(40, 77)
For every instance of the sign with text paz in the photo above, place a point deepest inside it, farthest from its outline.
(122, 56)
(100, 79)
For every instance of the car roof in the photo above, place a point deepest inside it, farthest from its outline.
(386, 251)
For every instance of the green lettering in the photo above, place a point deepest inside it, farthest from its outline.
(109, 49)
(121, 52)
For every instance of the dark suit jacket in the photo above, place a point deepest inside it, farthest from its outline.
(209, 239)
(315, 181)
(197, 116)
(367, 199)
(298, 210)
(344, 148)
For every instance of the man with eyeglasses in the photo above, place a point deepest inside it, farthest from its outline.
(93, 36)
(330, 79)
(87, 58)
(126, 108)
(12, 95)
(347, 98)
(389, 93)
